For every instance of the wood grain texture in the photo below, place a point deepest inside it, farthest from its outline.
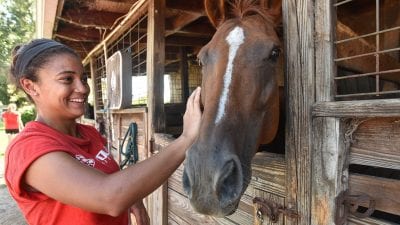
(298, 25)
(376, 142)
(384, 191)
(362, 108)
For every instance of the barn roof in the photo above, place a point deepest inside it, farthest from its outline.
(84, 24)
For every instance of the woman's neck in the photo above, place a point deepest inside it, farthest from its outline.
(64, 126)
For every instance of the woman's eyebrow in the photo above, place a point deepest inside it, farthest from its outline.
(67, 72)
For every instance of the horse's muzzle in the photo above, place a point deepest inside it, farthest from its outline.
(223, 171)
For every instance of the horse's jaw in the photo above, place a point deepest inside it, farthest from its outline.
(218, 170)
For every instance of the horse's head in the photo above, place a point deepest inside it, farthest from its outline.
(241, 105)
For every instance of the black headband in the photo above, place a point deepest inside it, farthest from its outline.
(30, 51)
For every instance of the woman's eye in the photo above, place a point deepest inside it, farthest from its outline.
(67, 79)
(274, 54)
(84, 79)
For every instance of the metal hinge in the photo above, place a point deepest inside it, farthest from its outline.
(271, 209)
(346, 203)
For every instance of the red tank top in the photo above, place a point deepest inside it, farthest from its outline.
(10, 120)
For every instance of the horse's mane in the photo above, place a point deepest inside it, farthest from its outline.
(243, 8)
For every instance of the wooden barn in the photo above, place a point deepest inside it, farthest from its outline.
(340, 162)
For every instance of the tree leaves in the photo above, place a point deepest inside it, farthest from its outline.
(16, 27)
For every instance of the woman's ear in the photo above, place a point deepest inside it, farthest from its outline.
(215, 10)
(29, 86)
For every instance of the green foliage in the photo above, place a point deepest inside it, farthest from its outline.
(4, 97)
(17, 26)
(28, 113)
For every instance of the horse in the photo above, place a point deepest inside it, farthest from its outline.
(240, 100)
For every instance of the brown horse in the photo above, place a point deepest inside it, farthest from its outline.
(241, 103)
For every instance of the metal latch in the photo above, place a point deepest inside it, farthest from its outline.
(271, 209)
(350, 203)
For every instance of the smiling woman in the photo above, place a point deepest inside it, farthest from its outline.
(60, 171)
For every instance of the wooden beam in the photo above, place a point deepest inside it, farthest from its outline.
(190, 6)
(180, 21)
(186, 41)
(79, 34)
(91, 17)
(158, 201)
(361, 108)
(298, 23)
(109, 6)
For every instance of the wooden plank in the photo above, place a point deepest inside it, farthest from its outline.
(362, 108)
(376, 142)
(269, 173)
(175, 220)
(384, 191)
(298, 24)
(181, 207)
(352, 220)
(158, 200)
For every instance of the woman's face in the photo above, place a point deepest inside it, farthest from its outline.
(62, 90)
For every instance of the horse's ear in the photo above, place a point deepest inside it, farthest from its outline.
(274, 7)
(215, 10)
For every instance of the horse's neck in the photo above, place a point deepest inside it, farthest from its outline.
(273, 120)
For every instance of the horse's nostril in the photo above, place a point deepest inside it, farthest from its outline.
(186, 184)
(229, 184)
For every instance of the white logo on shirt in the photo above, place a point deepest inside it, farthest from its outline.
(82, 159)
(102, 155)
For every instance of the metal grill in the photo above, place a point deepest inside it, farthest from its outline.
(367, 49)
(100, 81)
(135, 41)
(194, 75)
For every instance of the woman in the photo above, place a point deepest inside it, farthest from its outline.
(12, 121)
(59, 171)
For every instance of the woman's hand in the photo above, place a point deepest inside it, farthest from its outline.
(192, 117)
(140, 213)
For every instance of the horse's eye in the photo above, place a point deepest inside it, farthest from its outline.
(274, 54)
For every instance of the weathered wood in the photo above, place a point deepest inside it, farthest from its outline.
(384, 191)
(367, 221)
(158, 200)
(376, 142)
(298, 24)
(329, 151)
(180, 206)
(362, 108)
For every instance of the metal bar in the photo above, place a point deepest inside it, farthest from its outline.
(368, 94)
(367, 54)
(366, 74)
(368, 35)
(341, 3)
(377, 39)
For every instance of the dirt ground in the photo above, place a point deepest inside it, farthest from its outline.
(9, 211)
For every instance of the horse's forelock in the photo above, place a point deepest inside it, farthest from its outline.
(243, 8)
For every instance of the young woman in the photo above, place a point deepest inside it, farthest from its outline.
(59, 171)
(12, 121)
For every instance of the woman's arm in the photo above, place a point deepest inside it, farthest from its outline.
(61, 177)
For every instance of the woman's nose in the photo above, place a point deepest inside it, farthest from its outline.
(81, 86)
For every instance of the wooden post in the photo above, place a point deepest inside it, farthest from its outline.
(330, 170)
(157, 205)
(298, 19)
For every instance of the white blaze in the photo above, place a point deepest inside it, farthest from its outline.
(235, 38)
